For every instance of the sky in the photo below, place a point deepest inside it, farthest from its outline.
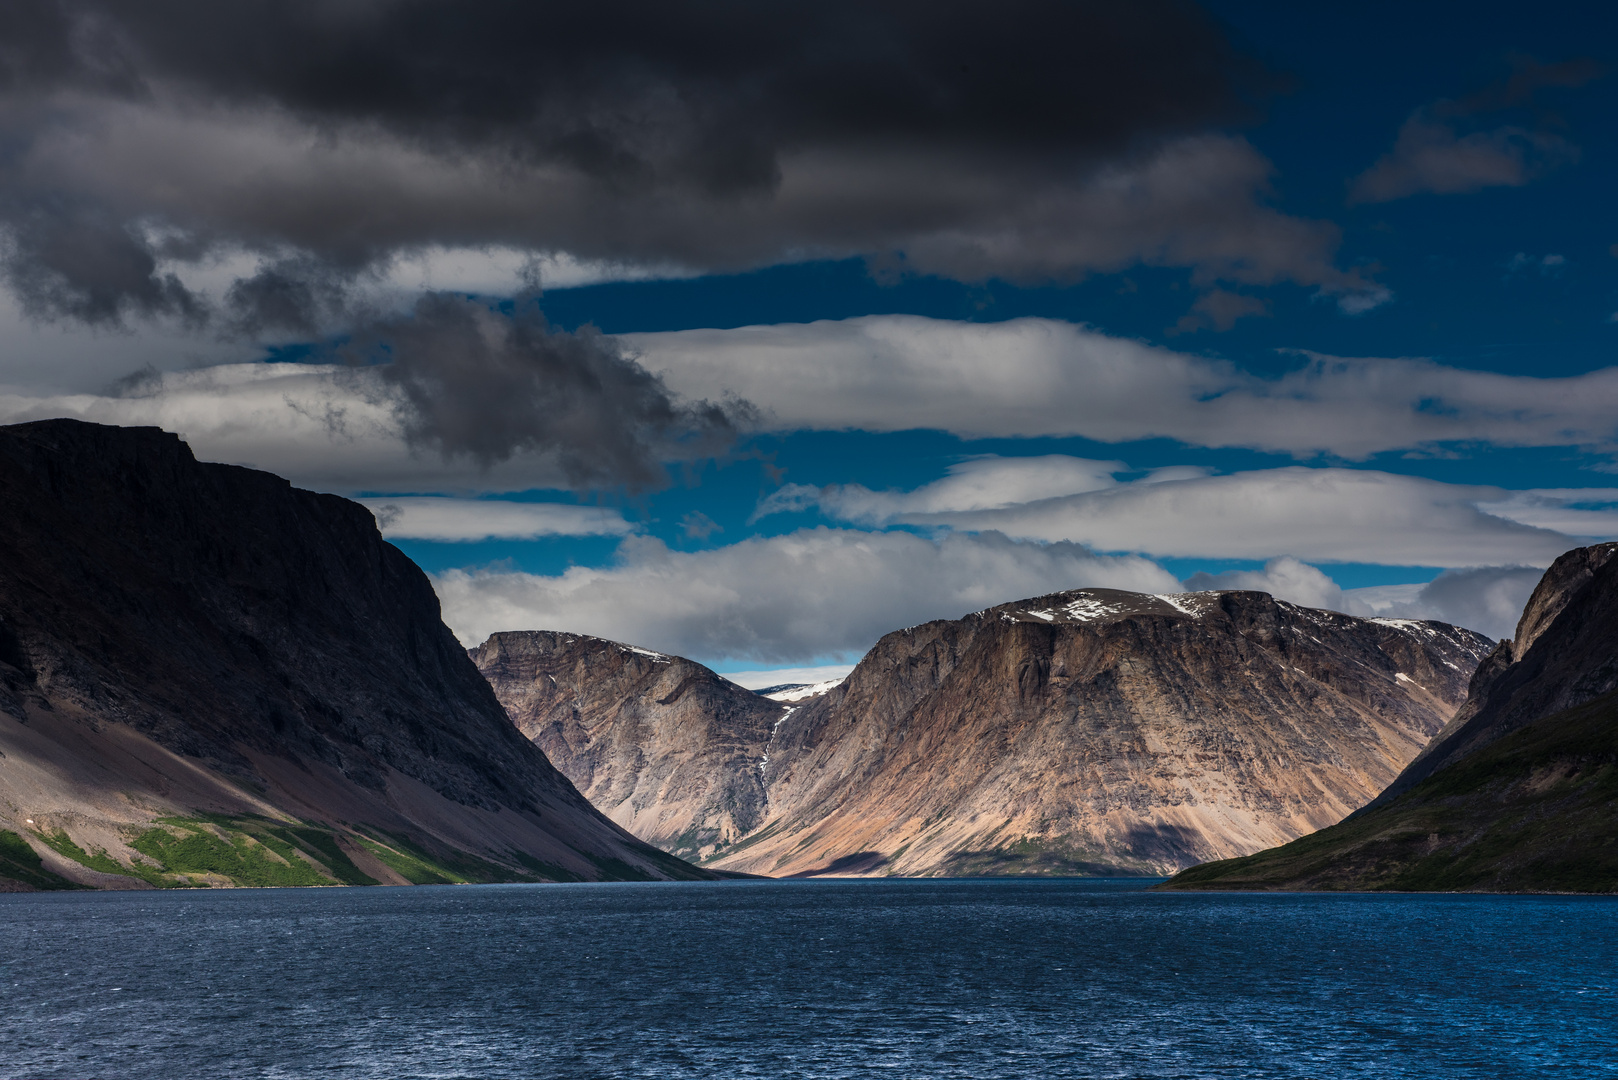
(753, 332)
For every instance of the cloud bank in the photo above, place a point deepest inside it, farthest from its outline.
(779, 600)
(1031, 377)
(1318, 514)
(299, 150)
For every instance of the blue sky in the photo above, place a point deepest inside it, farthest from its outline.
(1341, 337)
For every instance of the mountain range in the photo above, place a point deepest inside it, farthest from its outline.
(1084, 732)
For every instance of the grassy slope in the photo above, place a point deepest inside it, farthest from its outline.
(19, 863)
(1535, 812)
(247, 851)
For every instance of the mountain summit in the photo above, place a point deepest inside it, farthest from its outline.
(1092, 731)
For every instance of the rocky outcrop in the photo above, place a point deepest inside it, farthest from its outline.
(1517, 684)
(661, 745)
(207, 646)
(1085, 732)
(1518, 793)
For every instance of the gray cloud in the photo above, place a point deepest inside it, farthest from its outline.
(1430, 155)
(323, 144)
(482, 383)
(1442, 148)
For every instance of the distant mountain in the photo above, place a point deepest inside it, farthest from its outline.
(1092, 731)
(208, 676)
(1518, 793)
(661, 745)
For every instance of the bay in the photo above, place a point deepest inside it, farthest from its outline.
(811, 979)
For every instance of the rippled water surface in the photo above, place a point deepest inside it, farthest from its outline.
(805, 979)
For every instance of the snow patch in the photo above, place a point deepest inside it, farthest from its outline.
(657, 657)
(1088, 609)
(1177, 603)
(807, 690)
(1409, 626)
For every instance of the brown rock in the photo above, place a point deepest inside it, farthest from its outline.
(1092, 731)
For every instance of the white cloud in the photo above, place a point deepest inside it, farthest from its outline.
(786, 599)
(1583, 512)
(1488, 599)
(437, 518)
(1034, 377)
(1322, 514)
(981, 483)
(1285, 579)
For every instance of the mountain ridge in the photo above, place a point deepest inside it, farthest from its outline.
(1108, 701)
(203, 654)
(1519, 793)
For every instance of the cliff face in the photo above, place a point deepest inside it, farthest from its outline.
(663, 746)
(1518, 793)
(207, 645)
(1086, 732)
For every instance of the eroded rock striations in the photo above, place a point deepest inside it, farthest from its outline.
(1092, 731)
(1518, 793)
(661, 745)
(209, 676)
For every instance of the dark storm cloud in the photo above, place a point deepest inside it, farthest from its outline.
(484, 383)
(1038, 140)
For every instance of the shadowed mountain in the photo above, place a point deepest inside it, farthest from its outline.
(209, 676)
(1518, 793)
(1087, 732)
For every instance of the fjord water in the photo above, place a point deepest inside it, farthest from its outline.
(889, 978)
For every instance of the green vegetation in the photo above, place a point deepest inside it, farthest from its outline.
(62, 844)
(187, 846)
(1535, 812)
(412, 869)
(257, 852)
(246, 850)
(20, 862)
(322, 843)
(419, 866)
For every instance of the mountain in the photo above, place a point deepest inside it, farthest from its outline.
(208, 676)
(1091, 731)
(661, 745)
(1518, 793)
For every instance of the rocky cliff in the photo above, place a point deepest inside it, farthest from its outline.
(209, 676)
(1519, 792)
(661, 745)
(1085, 732)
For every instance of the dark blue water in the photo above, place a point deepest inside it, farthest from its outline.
(894, 979)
